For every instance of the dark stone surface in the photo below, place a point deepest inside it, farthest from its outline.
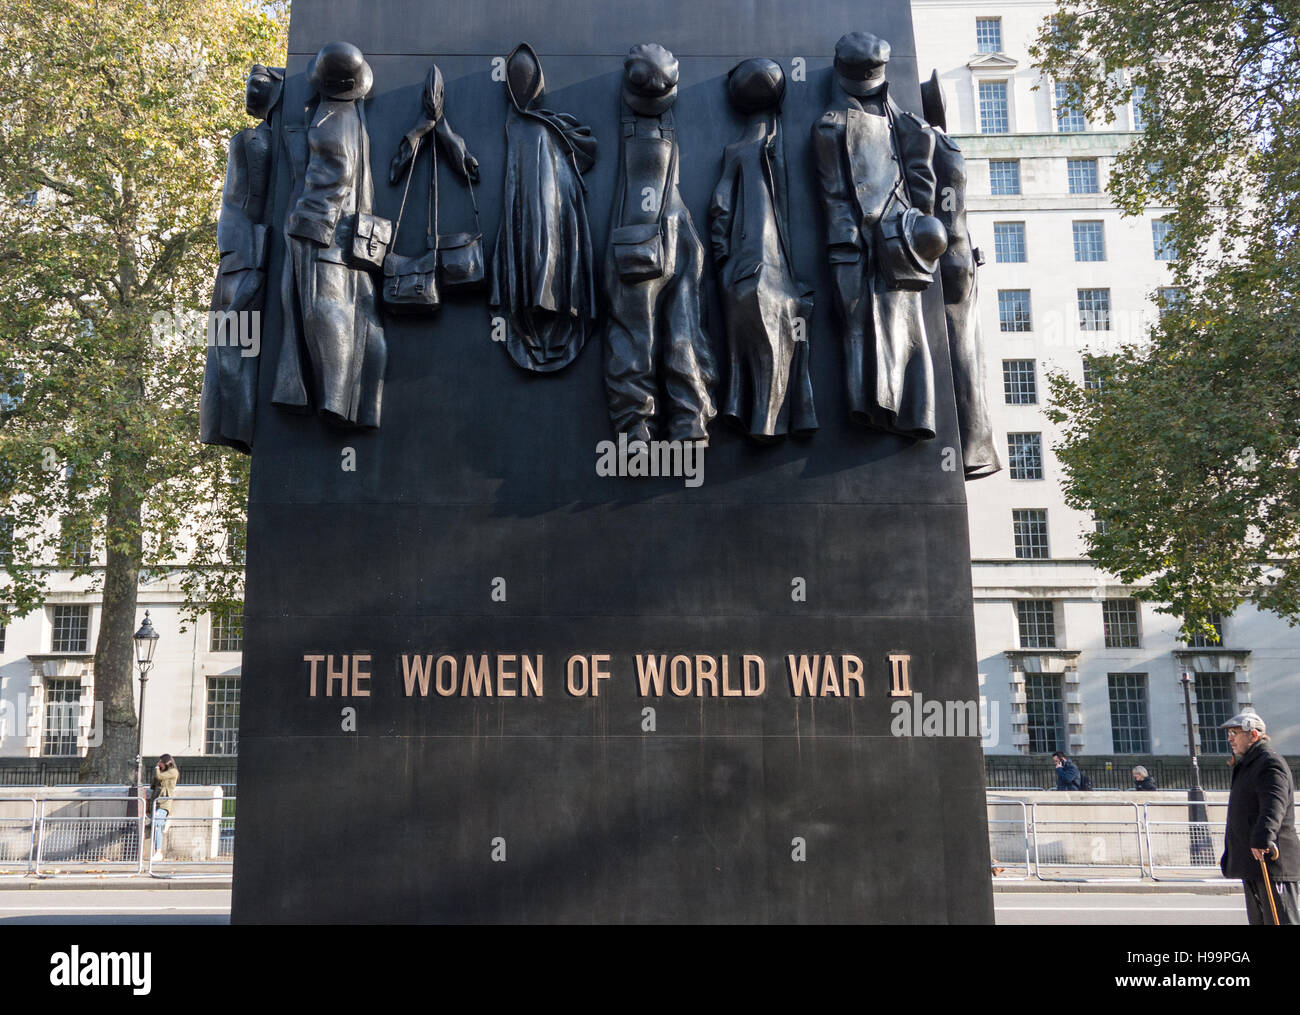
(482, 470)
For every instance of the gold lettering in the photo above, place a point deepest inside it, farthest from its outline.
(852, 667)
(532, 677)
(706, 668)
(685, 688)
(314, 660)
(449, 688)
(478, 679)
(358, 675)
(755, 663)
(331, 675)
(503, 675)
(803, 672)
(417, 669)
(651, 671)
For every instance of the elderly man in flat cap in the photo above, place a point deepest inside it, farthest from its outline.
(1261, 824)
(877, 182)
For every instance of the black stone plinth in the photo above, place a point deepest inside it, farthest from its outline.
(483, 471)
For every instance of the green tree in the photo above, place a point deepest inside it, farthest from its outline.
(114, 119)
(1189, 450)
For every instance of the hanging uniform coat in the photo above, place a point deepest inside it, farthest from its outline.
(768, 310)
(958, 269)
(333, 303)
(228, 402)
(655, 338)
(865, 149)
(542, 273)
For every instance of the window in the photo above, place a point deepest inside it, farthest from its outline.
(1119, 621)
(1037, 621)
(1089, 241)
(1171, 299)
(71, 629)
(1069, 112)
(227, 631)
(1045, 710)
(1013, 310)
(221, 729)
(988, 35)
(1020, 381)
(1214, 706)
(1094, 309)
(1009, 241)
(62, 718)
(2, 639)
(1004, 176)
(1025, 454)
(1130, 725)
(1081, 174)
(6, 541)
(994, 118)
(1204, 640)
(1161, 241)
(1029, 529)
(77, 546)
(1139, 112)
(1099, 524)
(1092, 379)
(236, 551)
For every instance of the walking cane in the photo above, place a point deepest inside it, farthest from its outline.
(1268, 885)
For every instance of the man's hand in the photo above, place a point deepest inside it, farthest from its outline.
(1264, 854)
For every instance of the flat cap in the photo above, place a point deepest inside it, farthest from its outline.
(1245, 720)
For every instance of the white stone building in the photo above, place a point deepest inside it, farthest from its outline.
(1069, 658)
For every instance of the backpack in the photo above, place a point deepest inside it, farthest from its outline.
(1085, 782)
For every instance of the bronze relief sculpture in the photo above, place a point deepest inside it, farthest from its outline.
(328, 292)
(543, 279)
(228, 403)
(659, 369)
(958, 270)
(877, 184)
(768, 310)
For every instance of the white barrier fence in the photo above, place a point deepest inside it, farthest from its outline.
(1106, 840)
(98, 831)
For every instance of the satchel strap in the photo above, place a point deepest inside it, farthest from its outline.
(666, 132)
(397, 226)
(431, 221)
(363, 185)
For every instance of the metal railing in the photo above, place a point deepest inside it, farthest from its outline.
(202, 842)
(108, 834)
(1185, 849)
(1119, 841)
(1009, 839)
(18, 839)
(1109, 848)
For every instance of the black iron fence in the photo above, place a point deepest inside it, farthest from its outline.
(1112, 771)
(195, 771)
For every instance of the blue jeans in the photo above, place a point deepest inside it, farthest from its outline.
(159, 824)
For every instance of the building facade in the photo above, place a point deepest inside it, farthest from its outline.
(1068, 658)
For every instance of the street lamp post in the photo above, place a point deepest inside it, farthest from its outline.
(146, 640)
(1202, 848)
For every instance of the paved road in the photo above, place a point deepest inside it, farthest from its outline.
(1165, 908)
(124, 906)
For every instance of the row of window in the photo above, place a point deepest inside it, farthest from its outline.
(1009, 246)
(63, 699)
(995, 108)
(1020, 380)
(1130, 713)
(1037, 627)
(1015, 315)
(70, 630)
(77, 545)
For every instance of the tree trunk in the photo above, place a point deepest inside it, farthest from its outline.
(113, 762)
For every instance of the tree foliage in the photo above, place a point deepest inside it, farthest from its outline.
(114, 120)
(1189, 451)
